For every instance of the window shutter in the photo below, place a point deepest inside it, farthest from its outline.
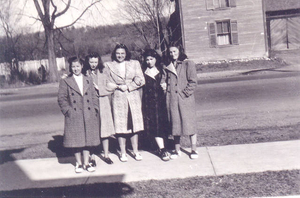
(210, 5)
(232, 3)
(212, 34)
(234, 32)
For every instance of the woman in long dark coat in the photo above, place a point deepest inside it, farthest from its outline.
(180, 83)
(79, 104)
(154, 102)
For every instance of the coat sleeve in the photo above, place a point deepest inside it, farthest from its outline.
(94, 95)
(191, 78)
(63, 97)
(139, 76)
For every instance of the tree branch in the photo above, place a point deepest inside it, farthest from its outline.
(54, 11)
(62, 12)
(86, 9)
(38, 8)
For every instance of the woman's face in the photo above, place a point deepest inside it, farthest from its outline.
(120, 55)
(174, 53)
(93, 61)
(76, 68)
(150, 60)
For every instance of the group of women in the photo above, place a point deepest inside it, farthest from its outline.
(120, 98)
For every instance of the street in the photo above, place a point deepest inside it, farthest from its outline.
(33, 115)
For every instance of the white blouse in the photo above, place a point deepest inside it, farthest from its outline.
(79, 81)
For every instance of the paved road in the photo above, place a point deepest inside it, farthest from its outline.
(227, 104)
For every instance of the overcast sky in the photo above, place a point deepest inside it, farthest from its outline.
(107, 12)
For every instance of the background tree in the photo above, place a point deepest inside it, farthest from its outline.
(157, 12)
(48, 13)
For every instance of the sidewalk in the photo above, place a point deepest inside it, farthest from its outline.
(212, 161)
(232, 73)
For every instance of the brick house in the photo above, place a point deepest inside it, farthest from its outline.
(222, 29)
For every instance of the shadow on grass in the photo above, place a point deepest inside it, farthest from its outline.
(88, 190)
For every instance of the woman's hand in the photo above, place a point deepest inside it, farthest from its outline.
(123, 87)
(164, 86)
(111, 86)
(137, 80)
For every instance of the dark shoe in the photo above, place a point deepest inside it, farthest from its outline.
(194, 154)
(89, 168)
(107, 160)
(93, 163)
(164, 155)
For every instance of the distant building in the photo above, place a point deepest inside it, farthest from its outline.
(232, 29)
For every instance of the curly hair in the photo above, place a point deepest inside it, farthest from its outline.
(154, 54)
(182, 55)
(87, 66)
(120, 46)
(73, 60)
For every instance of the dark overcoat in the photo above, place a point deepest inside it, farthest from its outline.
(107, 128)
(80, 111)
(129, 100)
(181, 83)
(154, 107)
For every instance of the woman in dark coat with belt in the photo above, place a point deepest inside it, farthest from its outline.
(79, 104)
(154, 102)
(180, 83)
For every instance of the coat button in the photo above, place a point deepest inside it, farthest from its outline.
(86, 93)
(88, 101)
(175, 84)
(72, 94)
(89, 108)
(176, 91)
(75, 109)
(74, 101)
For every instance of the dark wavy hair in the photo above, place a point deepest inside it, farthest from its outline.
(152, 53)
(122, 46)
(182, 55)
(87, 66)
(73, 60)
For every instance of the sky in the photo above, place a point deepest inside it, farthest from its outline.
(107, 12)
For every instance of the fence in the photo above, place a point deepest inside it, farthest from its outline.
(32, 65)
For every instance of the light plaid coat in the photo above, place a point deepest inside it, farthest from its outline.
(122, 102)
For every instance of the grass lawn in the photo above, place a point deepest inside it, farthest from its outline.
(265, 184)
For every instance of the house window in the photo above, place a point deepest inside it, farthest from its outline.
(222, 33)
(219, 4)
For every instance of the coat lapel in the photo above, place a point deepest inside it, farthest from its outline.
(114, 68)
(86, 83)
(129, 69)
(72, 83)
(179, 66)
(172, 69)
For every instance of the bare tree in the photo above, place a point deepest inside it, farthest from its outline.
(7, 23)
(155, 13)
(48, 14)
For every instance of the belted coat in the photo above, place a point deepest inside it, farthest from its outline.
(107, 128)
(80, 111)
(129, 100)
(181, 83)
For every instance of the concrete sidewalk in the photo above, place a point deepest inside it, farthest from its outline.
(212, 161)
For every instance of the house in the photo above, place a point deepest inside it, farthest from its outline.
(225, 29)
(282, 21)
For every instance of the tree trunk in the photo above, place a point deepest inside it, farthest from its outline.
(53, 73)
